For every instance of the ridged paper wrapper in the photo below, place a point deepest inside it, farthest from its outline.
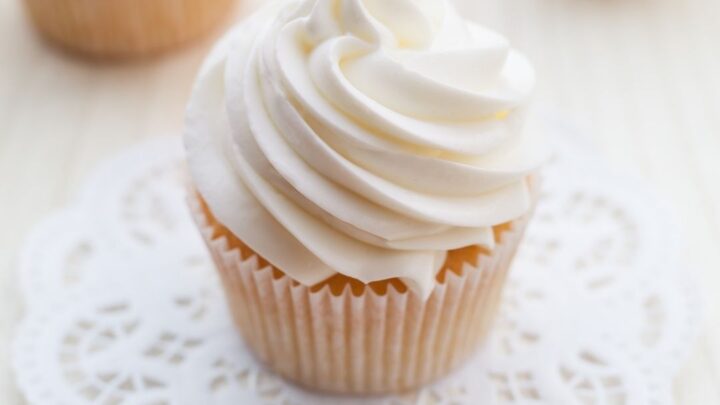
(359, 339)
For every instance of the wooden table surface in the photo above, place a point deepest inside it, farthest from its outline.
(641, 76)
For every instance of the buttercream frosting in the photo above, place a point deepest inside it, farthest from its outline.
(362, 137)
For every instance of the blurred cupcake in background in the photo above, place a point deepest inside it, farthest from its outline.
(125, 28)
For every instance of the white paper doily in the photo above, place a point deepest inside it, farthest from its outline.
(123, 306)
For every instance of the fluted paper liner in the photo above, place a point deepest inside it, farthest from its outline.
(119, 28)
(366, 343)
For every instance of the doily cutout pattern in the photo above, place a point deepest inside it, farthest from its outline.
(124, 307)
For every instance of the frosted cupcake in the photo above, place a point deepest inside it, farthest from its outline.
(362, 178)
(120, 28)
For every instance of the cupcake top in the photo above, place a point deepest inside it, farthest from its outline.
(362, 137)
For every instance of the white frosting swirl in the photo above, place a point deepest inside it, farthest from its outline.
(365, 137)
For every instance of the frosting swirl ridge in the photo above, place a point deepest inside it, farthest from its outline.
(365, 137)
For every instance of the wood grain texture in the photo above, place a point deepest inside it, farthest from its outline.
(641, 76)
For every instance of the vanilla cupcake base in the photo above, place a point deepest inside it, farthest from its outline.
(122, 28)
(359, 342)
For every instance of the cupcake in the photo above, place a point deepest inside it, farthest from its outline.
(121, 28)
(361, 175)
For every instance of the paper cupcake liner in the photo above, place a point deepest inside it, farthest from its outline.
(119, 28)
(366, 343)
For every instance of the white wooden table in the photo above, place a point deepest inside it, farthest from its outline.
(642, 76)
